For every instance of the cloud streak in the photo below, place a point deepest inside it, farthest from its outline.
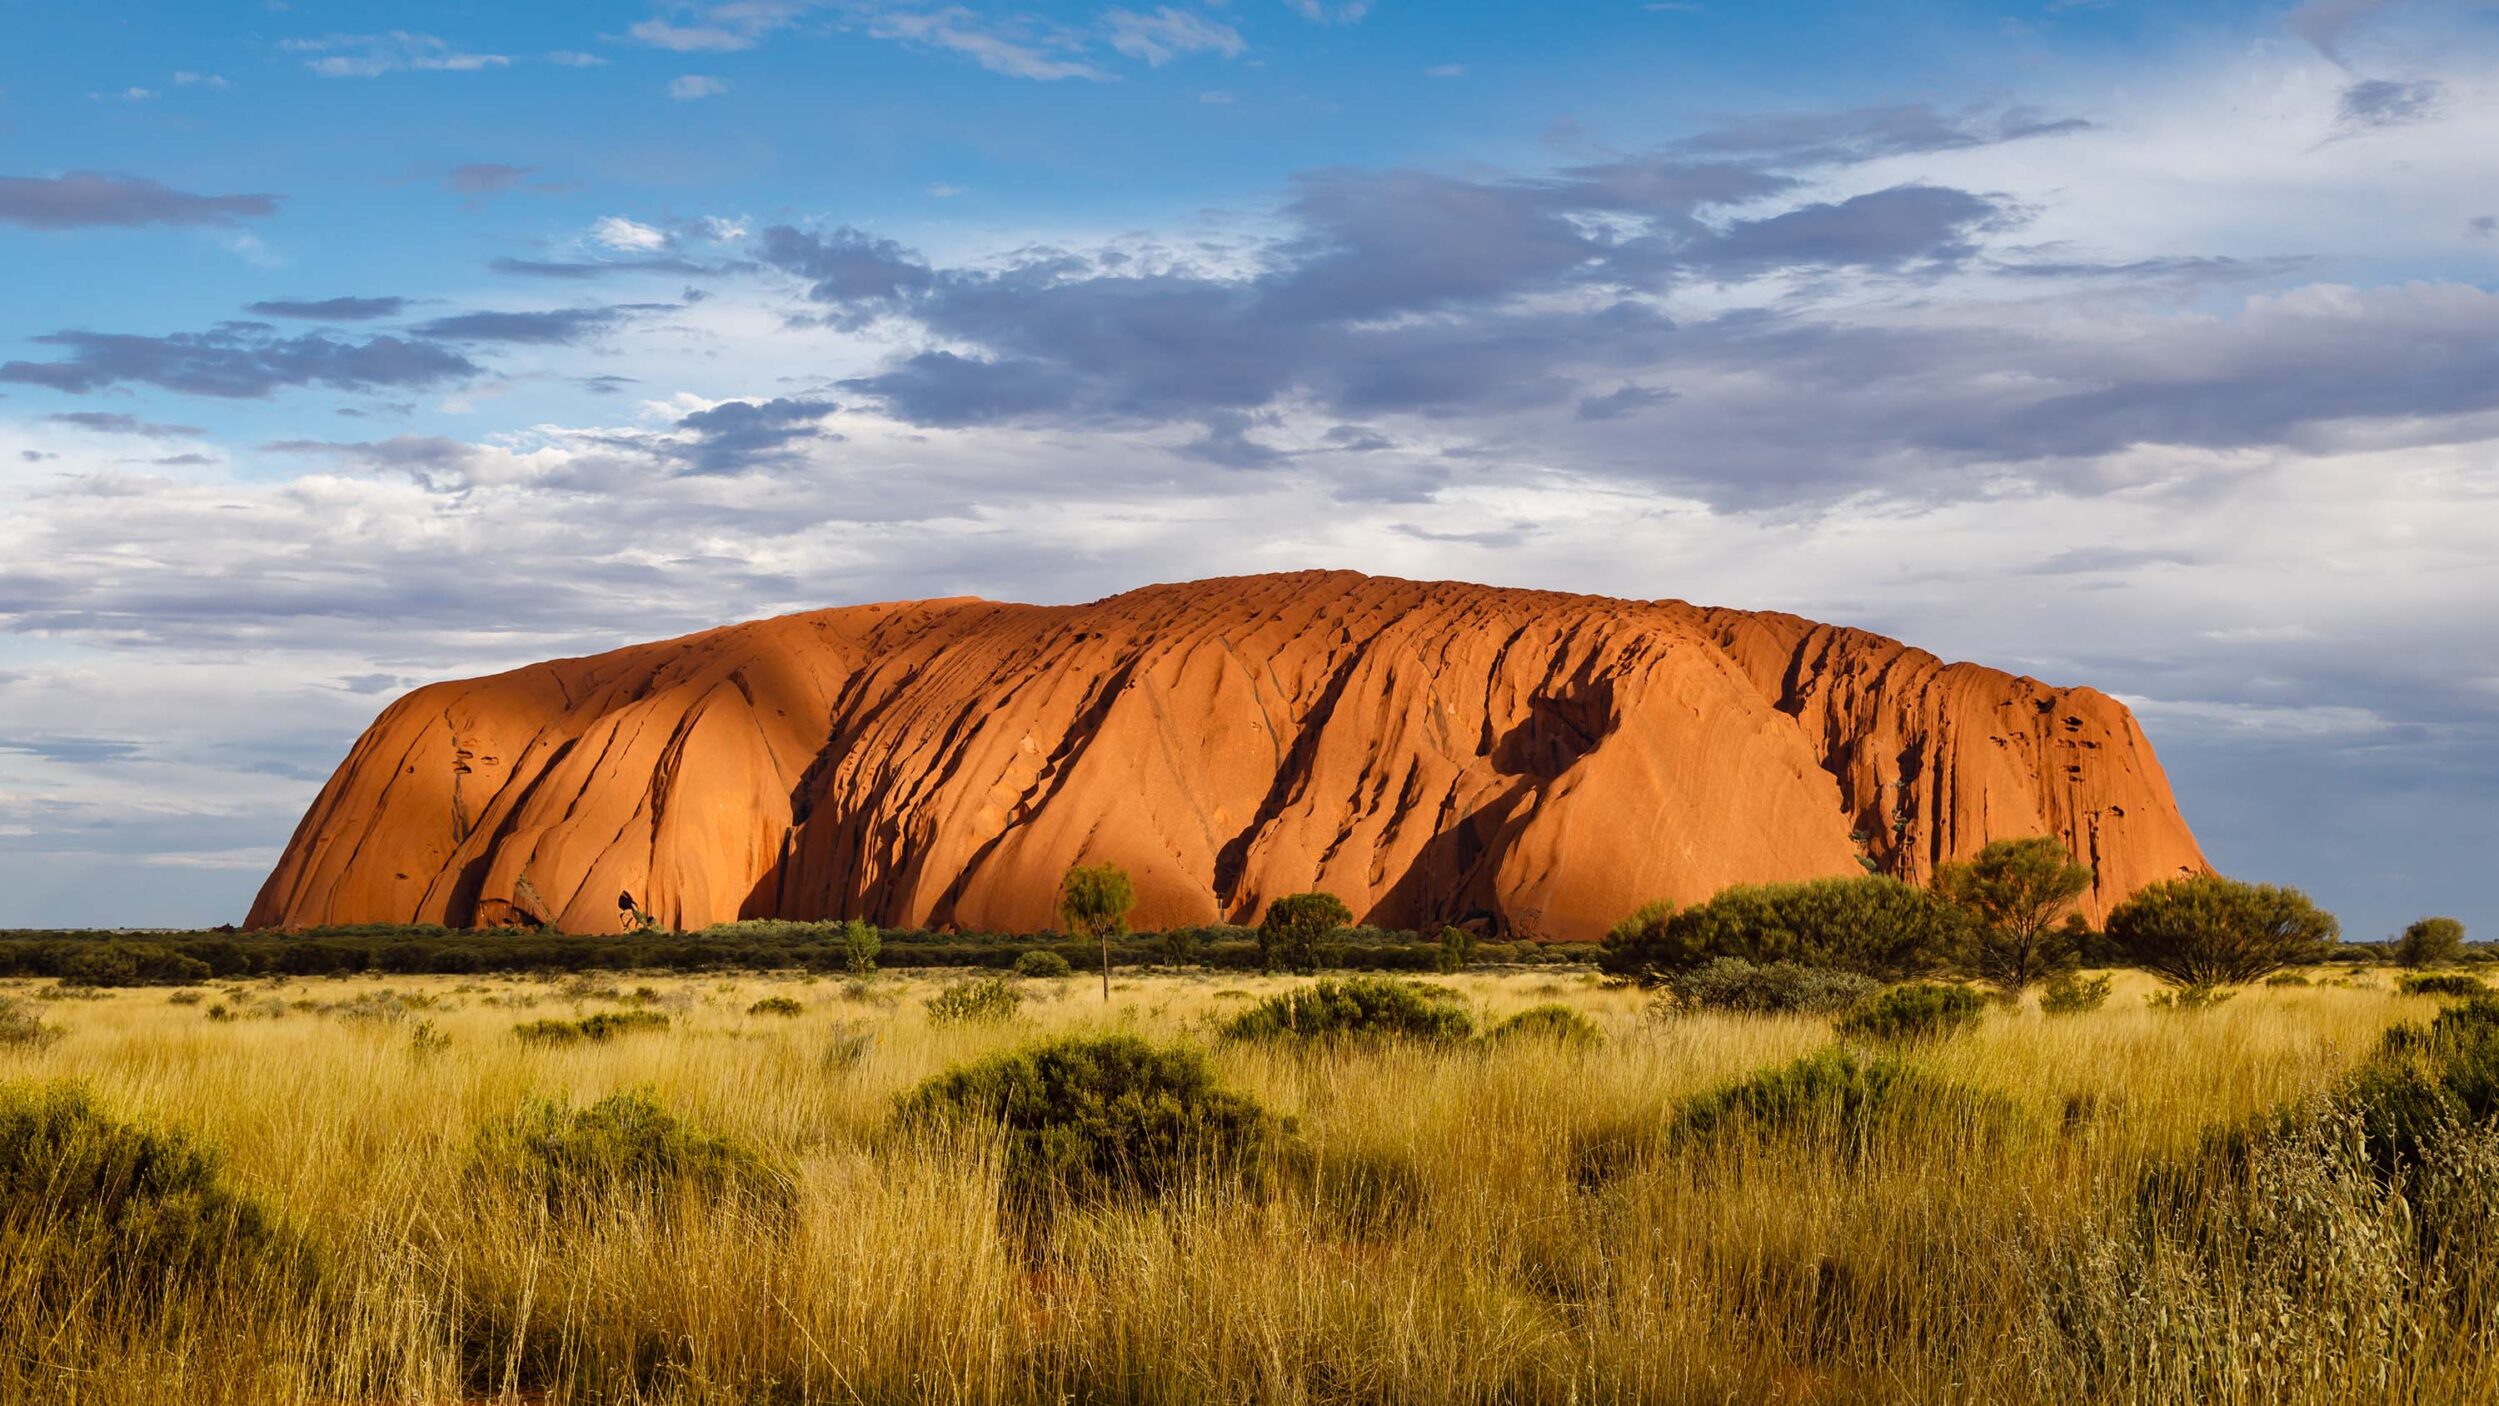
(97, 199)
(238, 361)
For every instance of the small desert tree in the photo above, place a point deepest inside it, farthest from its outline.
(2430, 942)
(2015, 891)
(1094, 900)
(860, 945)
(1289, 936)
(2206, 930)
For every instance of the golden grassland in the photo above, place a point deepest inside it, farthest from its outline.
(1449, 1252)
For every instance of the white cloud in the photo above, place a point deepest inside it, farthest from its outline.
(617, 232)
(689, 39)
(1167, 34)
(1015, 50)
(1445, 70)
(695, 85)
(1331, 11)
(372, 55)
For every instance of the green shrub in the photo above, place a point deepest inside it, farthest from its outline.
(988, 1000)
(778, 1005)
(1177, 946)
(1833, 1101)
(1555, 1023)
(1831, 1093)
(1457, 948)
(2210, 931)
(1354, 1008)
(2429, 942)
(1921, 1011)
(2458, 1054)
(1644, 924)
(21, 1027)
(131, 964)
(1735, 985)
(2287, 979)
(1290, 934)
(1043, 964)
(1874, 925)
(2442, 984)
(90, 1201)
(1094, 1116)
(2188, 1000)
(593, 1029)
(625, 1146)
(2072, 993)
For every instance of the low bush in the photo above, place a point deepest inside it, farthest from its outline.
(88, 1201)
(2446, 1071)
(778, 1005)
(2072, 993)
(1354, 1008)
(626, 1146)
(1735, 985)
(22, 1028)
(591, 1029)
(130, 964)
(2188, 1000)
(2442, 984)
(2188, 1297)
(1833, 1100)
(1290, 934)
(1833, 1093)
(1554, 1023)
(1097, 1116)
(1922, 1011)
(1874, 925)
(1043, 964)
(990, 1000)
(2287, 979)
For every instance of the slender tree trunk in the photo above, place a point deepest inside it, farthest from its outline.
(1106, 969)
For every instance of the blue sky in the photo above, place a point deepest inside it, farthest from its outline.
(348, 346)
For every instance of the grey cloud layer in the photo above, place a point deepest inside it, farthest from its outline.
(238, 361)
(329, 309)
(91, 199)
(1397, 292)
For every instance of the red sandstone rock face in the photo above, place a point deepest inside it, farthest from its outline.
(1429, 752)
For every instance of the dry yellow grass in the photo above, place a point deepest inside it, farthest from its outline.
(1929, 1272)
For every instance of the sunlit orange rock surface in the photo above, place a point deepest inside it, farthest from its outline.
(1429, 752)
